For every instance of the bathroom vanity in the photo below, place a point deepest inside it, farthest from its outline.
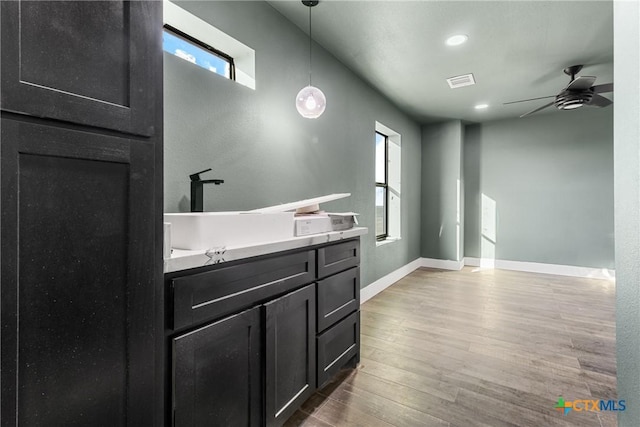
(255, 331)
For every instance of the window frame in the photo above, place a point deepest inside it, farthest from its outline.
(205, 46)
(385, 185)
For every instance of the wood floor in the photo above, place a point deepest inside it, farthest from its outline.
(477, 348)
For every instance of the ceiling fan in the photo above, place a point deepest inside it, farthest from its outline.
(579, 92)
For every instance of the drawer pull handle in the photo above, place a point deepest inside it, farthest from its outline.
(244, 291)
(339, 357)
(338, 309)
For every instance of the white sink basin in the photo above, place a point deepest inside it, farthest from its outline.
(205, 230)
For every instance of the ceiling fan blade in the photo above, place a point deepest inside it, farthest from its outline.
(530, 99)
(537, 109)
(603, 88)
(600, 101)
(581, 83)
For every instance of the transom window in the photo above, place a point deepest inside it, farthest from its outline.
(201, 54)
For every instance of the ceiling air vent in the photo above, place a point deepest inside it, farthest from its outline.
(459, 81)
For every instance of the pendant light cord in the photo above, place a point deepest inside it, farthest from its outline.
(309, 45)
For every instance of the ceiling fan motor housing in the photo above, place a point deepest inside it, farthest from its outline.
(570, 99)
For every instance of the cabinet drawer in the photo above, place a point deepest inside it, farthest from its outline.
(338, 296)
(212, 294)
(335, 258)
(338, 345)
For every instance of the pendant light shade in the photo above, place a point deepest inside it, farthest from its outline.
(310, 101)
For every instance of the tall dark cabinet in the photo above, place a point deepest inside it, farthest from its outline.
(81, 213)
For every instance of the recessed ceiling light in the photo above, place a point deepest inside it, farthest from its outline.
(481, 106)
(456, 40)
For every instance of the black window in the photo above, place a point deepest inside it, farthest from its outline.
(382, 190)
(201, 54)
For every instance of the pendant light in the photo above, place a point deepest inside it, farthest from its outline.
(310, 101)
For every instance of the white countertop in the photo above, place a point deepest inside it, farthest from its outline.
(183, 260)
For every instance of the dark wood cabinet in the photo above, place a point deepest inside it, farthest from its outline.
(81, 213)
(339, 257)
(338, 296)
(77, 294)
(93, 63)
(290, 347)
(308, 328)
(212, 294)
(337, 346)
(217, 369)
(217, 375)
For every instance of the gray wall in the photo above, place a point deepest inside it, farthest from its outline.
(627, 206)
(442, 210)
(472, 191)
(265, 151)
(551, 178)
(267, 154)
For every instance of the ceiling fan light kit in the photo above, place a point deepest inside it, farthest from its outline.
(568, 100)
(578, 93)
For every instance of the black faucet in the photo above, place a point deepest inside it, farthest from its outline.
(197, 196)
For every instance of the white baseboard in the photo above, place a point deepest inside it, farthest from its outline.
(480, 262)
(472, 262)
(537, 267)
(444, 264)
(383, 283)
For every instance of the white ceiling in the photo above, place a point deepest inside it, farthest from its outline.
(516, 50)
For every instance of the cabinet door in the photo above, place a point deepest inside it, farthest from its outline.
(84, 62)
(290, 353)
(217, 374)
(78, 300)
